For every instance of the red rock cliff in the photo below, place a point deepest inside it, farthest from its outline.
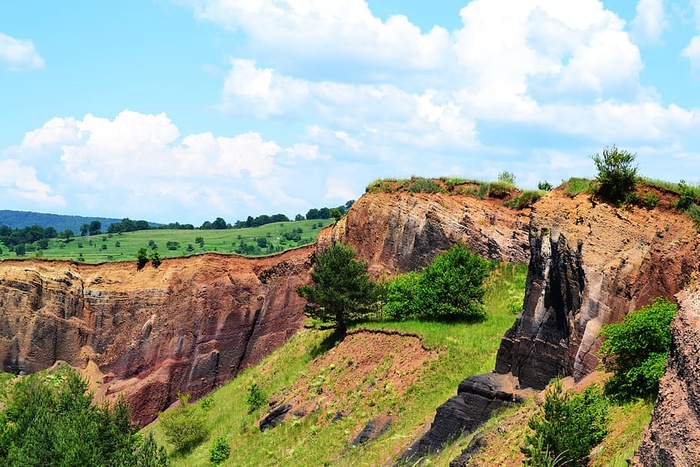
(591, 263)
(187, 326)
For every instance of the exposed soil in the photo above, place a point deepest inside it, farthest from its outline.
(366, 365)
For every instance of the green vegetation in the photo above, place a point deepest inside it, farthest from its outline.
(567, 427)
(616, 174)
(525, 199)
(321, 437)
(576, 185)
(183, 426)
(342, 291)
(219, 451)
(636, 349)
(256, 398)
(48, 419)
(448, 289)
(175, 243)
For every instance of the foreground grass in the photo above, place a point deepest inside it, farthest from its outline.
(123, 247)
(315, 439)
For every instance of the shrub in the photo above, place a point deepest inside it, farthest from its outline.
(687, 195)
(141, 258)
(567, 427)
(400, 297)
(219, 451)
(452, 286)
(636, 349)
(651, 199)
(616, 174)
(172, 245)
(256, 398)
(183, 426)
(499, 189)
(507, 177)
(544, 186)
(424, 185)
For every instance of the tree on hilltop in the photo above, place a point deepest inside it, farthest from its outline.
(616, 174)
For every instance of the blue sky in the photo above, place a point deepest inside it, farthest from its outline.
(187, 110)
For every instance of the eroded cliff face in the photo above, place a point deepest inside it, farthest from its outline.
(673, 437)
(405, 231)
(591, 263)
(187, 326)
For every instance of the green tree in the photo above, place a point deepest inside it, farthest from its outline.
(49, 419)
(218, 224)
(452, 286)
(155, 259)
(342, 290)
(616, 174)
(141, 258)
(95, 227)
(507, 177)
(636, 349)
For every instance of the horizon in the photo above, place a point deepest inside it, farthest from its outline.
(188, 110)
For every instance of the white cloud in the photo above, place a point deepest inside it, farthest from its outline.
(692, 52)
(21, 181)
(19, 54)
(298, 32)
(650, 21)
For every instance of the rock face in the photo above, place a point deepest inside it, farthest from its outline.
(673, 437)
(404, 231)
(591, 263)
(187, 326)
(476, 400)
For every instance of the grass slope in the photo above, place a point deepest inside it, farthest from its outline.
(316, 438)
(103, 247)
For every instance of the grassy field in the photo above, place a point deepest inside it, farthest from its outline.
(318, 438)
(123, 247)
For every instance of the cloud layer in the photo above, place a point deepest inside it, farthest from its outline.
(19, 54)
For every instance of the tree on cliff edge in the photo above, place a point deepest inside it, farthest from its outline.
(616, 173)
(342, 290)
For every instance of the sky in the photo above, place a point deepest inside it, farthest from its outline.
(188, 110)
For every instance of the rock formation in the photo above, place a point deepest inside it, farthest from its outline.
(591, 263)
(187, 326)
(673, 437)
(404, 231)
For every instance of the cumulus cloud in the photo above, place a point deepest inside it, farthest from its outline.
(141, 161)
(21, 181)
(692, 52)
(19, 54)
(300, 32)
(650, 21)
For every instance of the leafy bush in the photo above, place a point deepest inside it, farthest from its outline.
(616, 174)
(687, 195)
(567, 427)
(400, 297)
(544, 186)
(256, 398)
(451, 287)
(507, 177)
(183, 426)
(155, 259)
(219, 451)
(651, 199)
(141, 258)
(636, 349)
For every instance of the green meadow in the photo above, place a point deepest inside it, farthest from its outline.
(253, 241)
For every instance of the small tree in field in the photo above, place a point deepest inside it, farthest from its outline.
(616, 173)
(141, 258)
(342, 290)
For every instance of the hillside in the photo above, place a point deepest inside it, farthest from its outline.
(195, 323)
(60, 222)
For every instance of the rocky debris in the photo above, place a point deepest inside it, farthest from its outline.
(477, 398)
(373, 429)
(474, 447)
(188, 326)
(405, 231)
(275, 417)
(673, 437)
(591, 263)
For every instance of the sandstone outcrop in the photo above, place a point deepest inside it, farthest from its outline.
(591, 263)
(673, 437)
(187, 326)
(404, 231)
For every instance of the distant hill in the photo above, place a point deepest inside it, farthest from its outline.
(22, 219)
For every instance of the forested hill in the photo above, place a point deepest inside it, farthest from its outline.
(22, 219)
